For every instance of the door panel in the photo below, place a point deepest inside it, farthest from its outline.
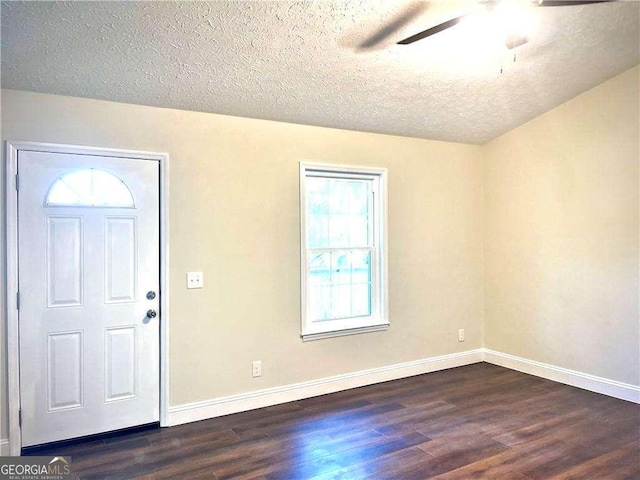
(89, 356)
(64, 366)
(121, 375)
(121, 265)
(64, 261)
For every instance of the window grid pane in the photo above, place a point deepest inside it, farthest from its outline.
(338, 213)
(340, 284)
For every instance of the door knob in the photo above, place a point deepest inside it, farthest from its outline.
(151, 295)
(151, 314)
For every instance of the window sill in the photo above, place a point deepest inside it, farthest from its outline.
(308, 337)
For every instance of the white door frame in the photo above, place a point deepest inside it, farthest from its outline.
(11, 287)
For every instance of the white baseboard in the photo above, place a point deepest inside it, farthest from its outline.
(4, 447)
(592, 383)
(217, 407)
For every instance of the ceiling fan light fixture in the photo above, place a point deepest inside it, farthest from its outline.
(515, 20)
(514, 41)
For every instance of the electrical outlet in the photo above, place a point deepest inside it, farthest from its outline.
(461, 335)
(195, 280)
(256, 368)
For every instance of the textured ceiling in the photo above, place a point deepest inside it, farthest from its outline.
(332, 63)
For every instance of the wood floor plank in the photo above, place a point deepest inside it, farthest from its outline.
(539, 429)
(343, 458)
(396, 464)
(475, 422)
(505, 462)
(623, 462)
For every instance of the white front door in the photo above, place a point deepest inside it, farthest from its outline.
(88, 274)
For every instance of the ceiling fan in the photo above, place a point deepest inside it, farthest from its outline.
(513, 38)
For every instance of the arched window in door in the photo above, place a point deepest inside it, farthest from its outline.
(89, 187)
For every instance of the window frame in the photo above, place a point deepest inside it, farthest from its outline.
(379, 318)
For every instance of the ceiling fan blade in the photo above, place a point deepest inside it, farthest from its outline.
(431, 31)
(380, 37)
(565, 3)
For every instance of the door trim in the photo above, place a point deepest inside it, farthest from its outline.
(11, 262)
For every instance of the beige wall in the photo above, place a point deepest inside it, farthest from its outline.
(561, 235)
(234, 215)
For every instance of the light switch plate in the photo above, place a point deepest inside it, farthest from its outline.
(195, 280)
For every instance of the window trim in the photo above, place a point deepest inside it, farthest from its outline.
(379, 320)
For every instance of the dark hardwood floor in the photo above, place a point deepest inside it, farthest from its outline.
(478, 421)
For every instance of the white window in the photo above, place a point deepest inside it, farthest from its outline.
(89, 188)
(343, 250)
